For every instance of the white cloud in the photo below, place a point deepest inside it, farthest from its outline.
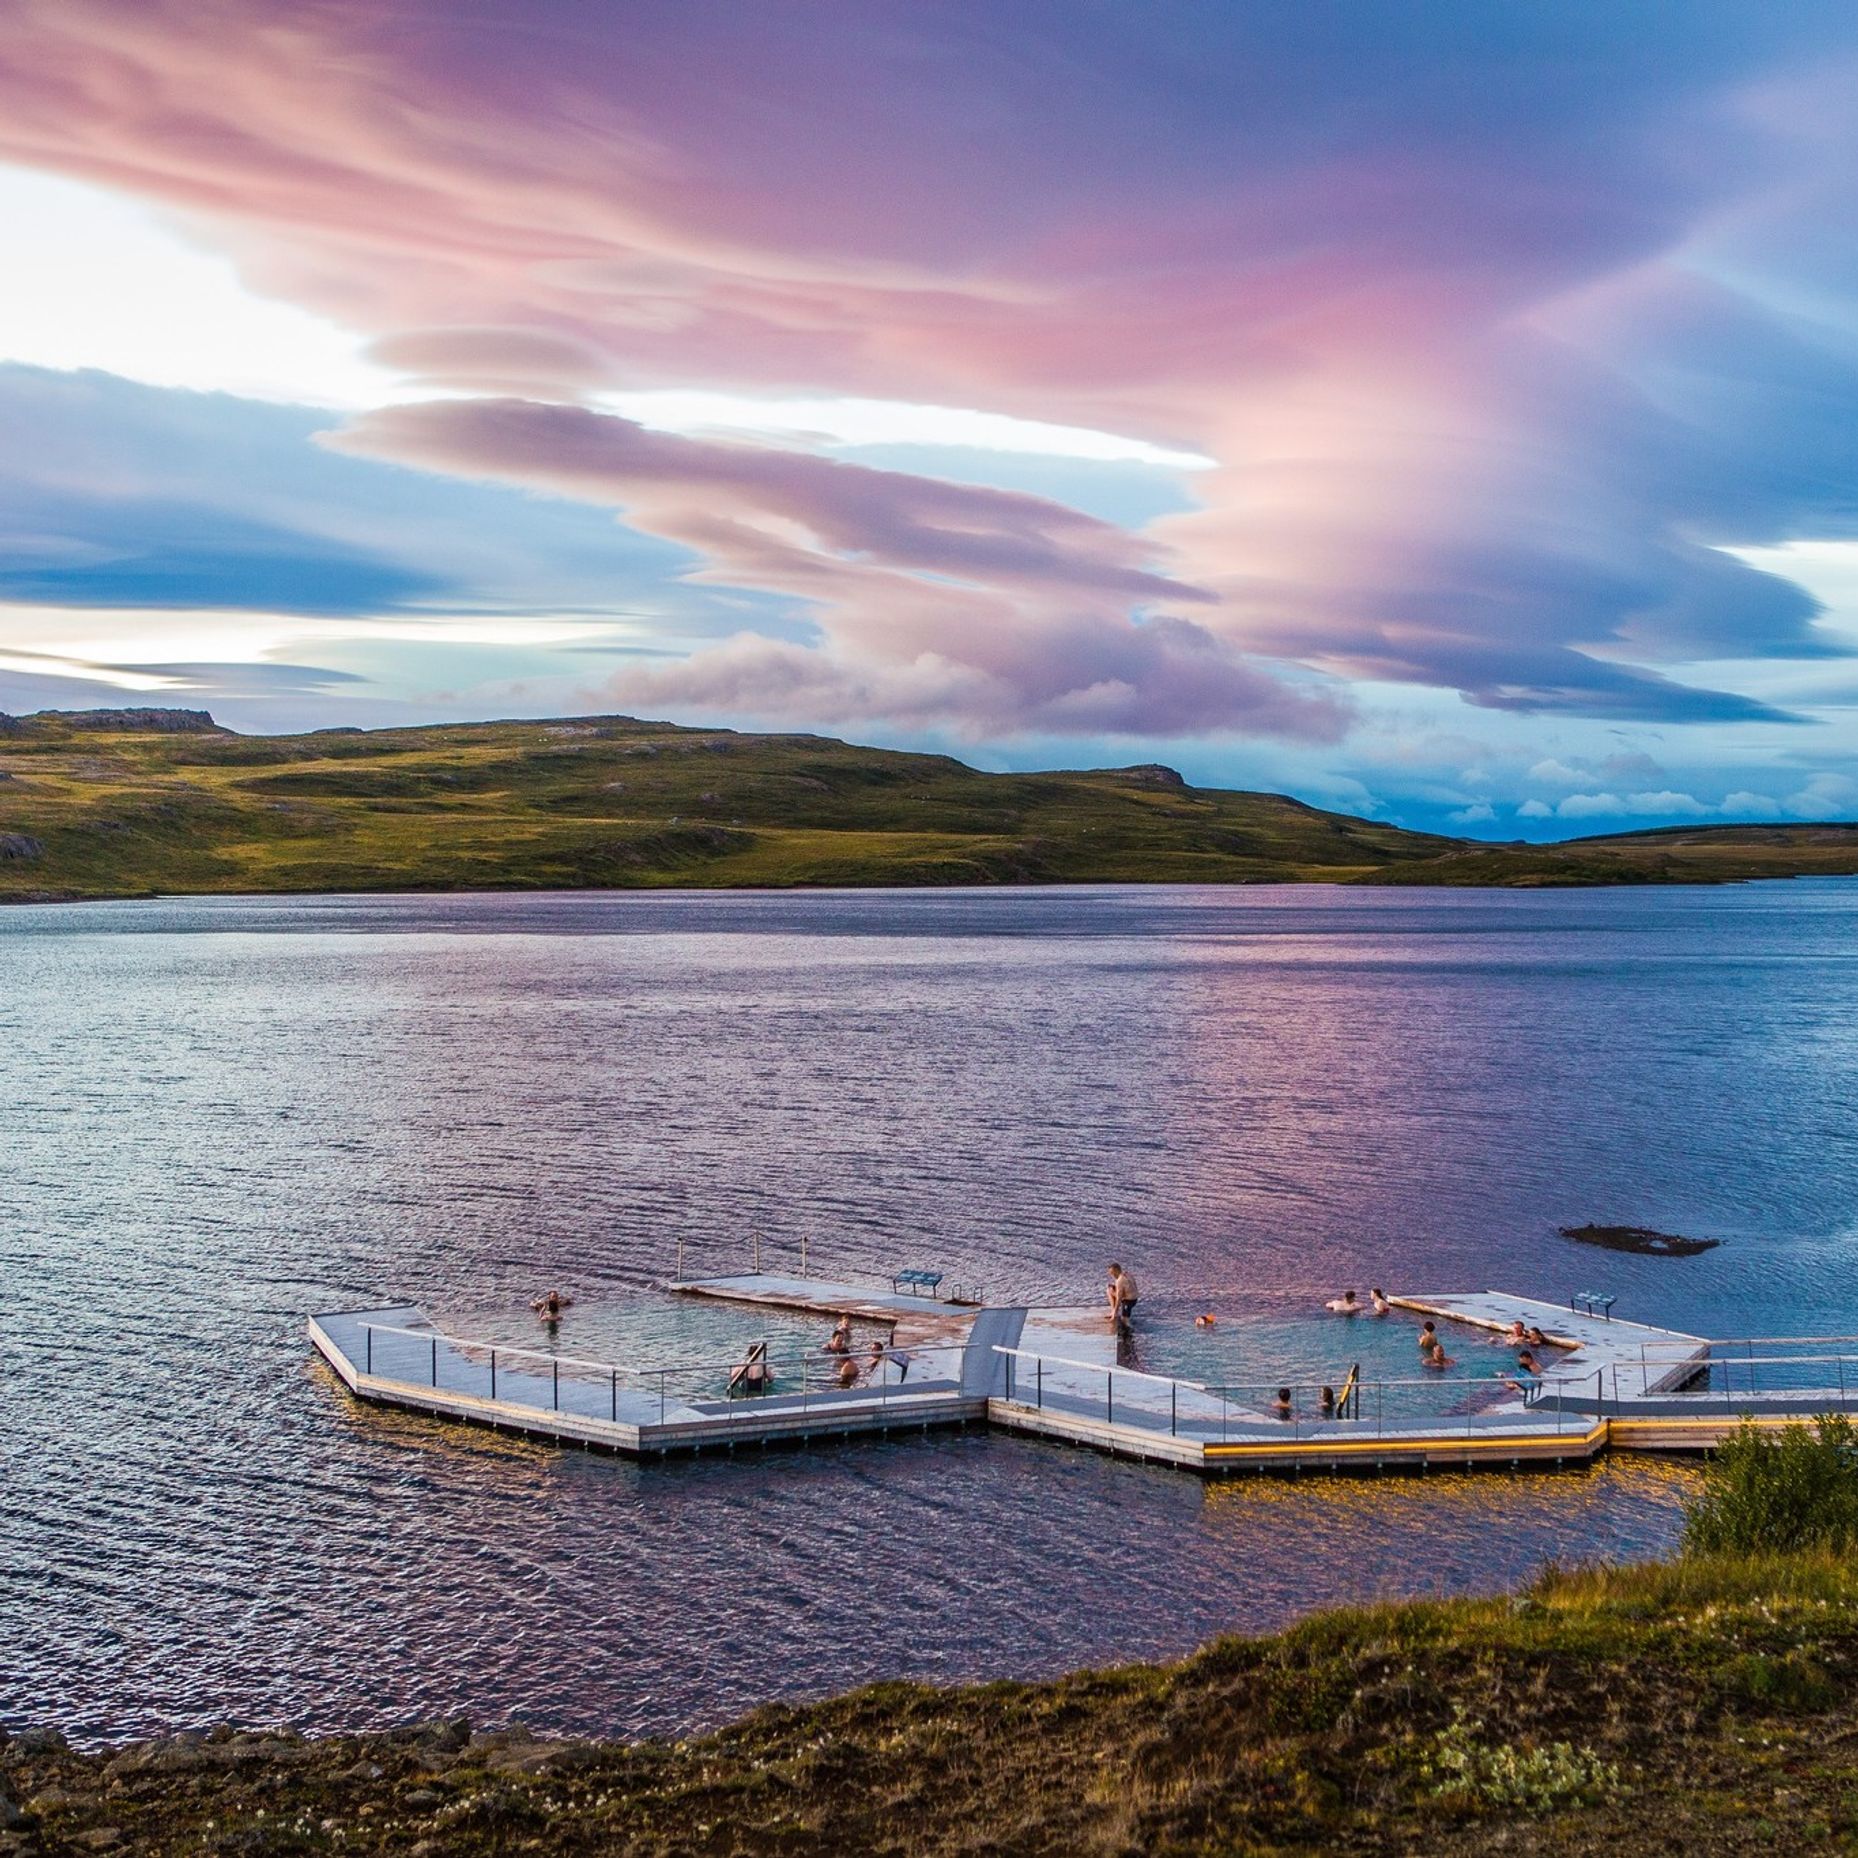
(885, 422)
(129, 647)
(1750, 805)
(1592, 806)
(188, 321)
(1535, 809)
(1825, 796)
(1557, 772)
(1478, 813)
(1666, 804)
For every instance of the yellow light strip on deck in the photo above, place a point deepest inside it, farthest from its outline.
(1411, 1447)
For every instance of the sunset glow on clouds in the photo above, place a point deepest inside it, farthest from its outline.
(1382, 404)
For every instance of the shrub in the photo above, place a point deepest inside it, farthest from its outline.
(1762, 1495)
(1461, 1767)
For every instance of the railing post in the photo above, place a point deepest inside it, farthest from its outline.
(1041, 1367)
(369, 1333)
(1173, 1406)
(435, 1358)
(803, 1254)
(493, 1374)
(557, 1367)
(758, 1254)
(615, 1375)
(680, 1263)
(1109, 1399)
(1009, 1377)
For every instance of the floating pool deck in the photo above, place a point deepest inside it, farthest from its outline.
(1054, 1372)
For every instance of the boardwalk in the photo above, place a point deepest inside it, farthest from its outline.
(1053, 1372)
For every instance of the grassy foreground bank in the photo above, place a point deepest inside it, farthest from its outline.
(137, 803)
(1705, 1706)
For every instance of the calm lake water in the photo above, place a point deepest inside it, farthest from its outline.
(219, 1115)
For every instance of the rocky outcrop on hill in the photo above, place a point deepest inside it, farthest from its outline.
(124, 722)
(136, 721)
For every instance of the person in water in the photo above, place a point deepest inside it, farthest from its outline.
(1281, 1405)
(1328, 1403)
(1428, 1337)
(1438, 1358)
(1381, 1305)
(839, 1342)
(1536, 1338)
(1121, 1295)
(1344, 1305)
(1527, 1375)
(549, 1308)
(848, 1372)
(1512, 1337)
(752, 1375)
(1207, 1321)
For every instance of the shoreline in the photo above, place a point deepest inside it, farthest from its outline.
(979, 886)
(1704, 1702)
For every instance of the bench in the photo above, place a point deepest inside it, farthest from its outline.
(918, 1283)
(1593, 1303)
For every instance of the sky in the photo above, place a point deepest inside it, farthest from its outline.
(1444, 413)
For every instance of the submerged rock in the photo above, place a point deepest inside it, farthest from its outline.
(1641, 1240)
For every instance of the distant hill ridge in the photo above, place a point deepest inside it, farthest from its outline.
(141, 801)
(116, 722)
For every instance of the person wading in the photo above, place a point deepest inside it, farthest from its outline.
(1121, 1294)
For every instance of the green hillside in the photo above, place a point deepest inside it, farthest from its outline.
(135, 802)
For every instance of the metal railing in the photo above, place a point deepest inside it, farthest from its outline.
(1388, 1407)
(1707, 1370)
(542, 1381)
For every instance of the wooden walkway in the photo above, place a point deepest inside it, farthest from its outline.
(1055, 1373)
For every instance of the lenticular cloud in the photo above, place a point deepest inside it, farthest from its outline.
(937, 602)
(1501, 323)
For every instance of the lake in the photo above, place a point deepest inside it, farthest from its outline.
(221, 1114)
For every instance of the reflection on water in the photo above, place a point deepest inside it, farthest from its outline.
(219, 1115)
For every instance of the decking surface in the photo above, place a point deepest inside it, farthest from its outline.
(916, 1321)
(1056, 1372)
(393, 1355)
(1630, 1357)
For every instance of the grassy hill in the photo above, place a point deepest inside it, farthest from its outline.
(1702, 1707)
(121, 803)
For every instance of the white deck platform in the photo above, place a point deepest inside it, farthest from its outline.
(394, 1356)
(1628, 1357)
(1055, 1372)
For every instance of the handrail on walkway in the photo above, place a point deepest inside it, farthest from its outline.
(1259, 1413)
(794, 1357)
(639, 1379)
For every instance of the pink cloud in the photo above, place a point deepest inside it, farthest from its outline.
(1415, 280)
(938, 601)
